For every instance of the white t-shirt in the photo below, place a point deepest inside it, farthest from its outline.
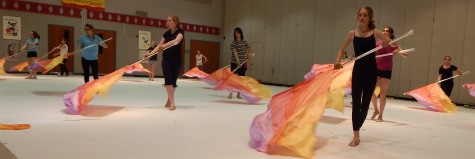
(64, 50)
(199, 59)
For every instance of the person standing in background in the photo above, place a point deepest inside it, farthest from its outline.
(240, 53)
(199, 60)
(90, 57)
(31, 46)
(63, 50)
(446, 71)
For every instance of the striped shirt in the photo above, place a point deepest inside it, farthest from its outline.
(241, 49)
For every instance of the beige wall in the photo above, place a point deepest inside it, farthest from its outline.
(289, 36)
(203, 12)
(209, 14)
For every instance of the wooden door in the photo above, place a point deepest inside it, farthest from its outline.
(208, 49)
(55, 34)
(107, 57)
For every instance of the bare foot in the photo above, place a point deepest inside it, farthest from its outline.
(354, 142)
(376, 112)
(171, 107)
(380, 119)
(168, 104)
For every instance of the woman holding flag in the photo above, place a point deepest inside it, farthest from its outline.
(63, 50)
(385, 67)
(365, 69)
(89, 58)
(171, 61)
(446, 71)
(31, 46)
(240, 53)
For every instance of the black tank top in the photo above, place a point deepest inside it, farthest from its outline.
(367, 64)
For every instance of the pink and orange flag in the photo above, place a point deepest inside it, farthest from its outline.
(471, 88)
(288, 126)
(77, 99)
(2, 70)
(433, 98)
(14, 126)
(54, 62)
(196, 72)
(19, 67)
(217, 76)
(249, 88)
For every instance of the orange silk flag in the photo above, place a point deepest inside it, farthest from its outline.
(217, 76)
(19, 67)
(288, 126)
(14, 126)
(196, 72)
(77, 99)
(248, 87)
(433, 98)
(341, 79)
(53, 63)
(2, 70)
(136, 67)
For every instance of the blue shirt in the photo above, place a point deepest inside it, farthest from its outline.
(30, 42)
(92, 52)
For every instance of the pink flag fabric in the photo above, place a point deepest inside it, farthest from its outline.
(433, 98)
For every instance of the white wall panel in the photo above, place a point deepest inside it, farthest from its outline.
(345, 21)
(324, 32)
(414, 71)
(305, 39)
(288, 41)
(273, 41)
(258, 36)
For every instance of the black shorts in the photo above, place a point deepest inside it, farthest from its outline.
(385, 74)
(170, 71)
(153, 58)
(31, 54)
(241, 71)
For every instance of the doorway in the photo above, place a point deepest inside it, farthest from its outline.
(208, 49)
(55, 34)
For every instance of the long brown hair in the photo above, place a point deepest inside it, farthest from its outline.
(371, 24)
(391, 31)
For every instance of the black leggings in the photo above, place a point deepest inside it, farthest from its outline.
(241, 71)
(362, 89)
(447, 87)
(64, 69)
(93, 65)
(170, 71)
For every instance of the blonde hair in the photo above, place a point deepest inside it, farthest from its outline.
(175, 19)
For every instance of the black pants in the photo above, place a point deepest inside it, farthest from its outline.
(241, 71)
(447, 87)
(64, 69)
(93, 65)
(170, 71)
(362, 89)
